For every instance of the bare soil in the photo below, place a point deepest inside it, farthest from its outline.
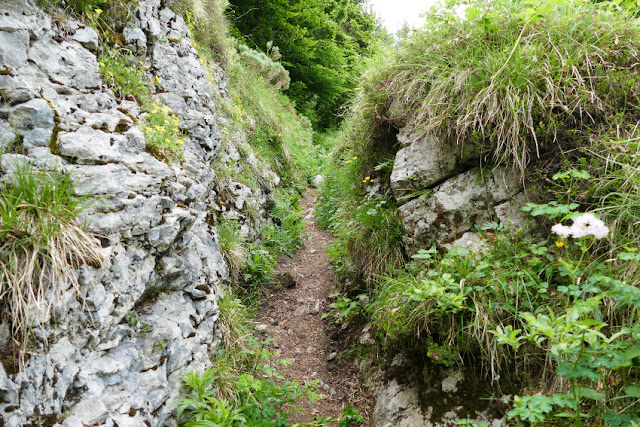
(293, 314)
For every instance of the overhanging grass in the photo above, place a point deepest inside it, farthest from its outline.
(41, 243)
(510, 78)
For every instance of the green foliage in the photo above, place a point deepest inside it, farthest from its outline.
(41, 242)
(258, 266)
(124, 76)
(257, 399)
(162, 133)
(350, 415)
(285, 233)
(244, 387)
(368, 229)
(209, 28)
(127, 78)
(108, 16)
(281, 139)
(344, 309)
(322, 45)
(513, 77)
(266, 65)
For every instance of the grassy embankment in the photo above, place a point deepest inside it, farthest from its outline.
(550, 89)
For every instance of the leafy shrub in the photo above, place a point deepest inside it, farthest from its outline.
(256, 398)
(285, 233)
(41, 243)
(162, 133)
(258, 266)
(124, 76)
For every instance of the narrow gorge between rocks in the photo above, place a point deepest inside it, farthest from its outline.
(268, 213)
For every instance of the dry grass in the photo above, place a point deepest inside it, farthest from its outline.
(41, 244)
(207, 21)
(512, 89)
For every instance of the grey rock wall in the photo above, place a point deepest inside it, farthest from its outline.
(152, 313)
(410, 394)
(443, 197)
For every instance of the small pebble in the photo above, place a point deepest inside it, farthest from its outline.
(332, 356)
(261, 328)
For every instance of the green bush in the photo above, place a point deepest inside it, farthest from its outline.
(162, 133)
(125, 76)
(368, 229)
(258, 266)
(285, 233)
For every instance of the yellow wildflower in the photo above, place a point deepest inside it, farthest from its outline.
(559, 244)
(157, 79)
(110, 73)
(371, 181)
(98, 11)
(348, 161)
(355, 157)
(139, 72)
(180, 142)
(101, 63)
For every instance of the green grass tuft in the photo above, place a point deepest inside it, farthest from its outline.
(41, 243)
(513, 79)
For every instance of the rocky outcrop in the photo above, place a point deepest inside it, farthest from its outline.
(442, 195)
(409, 394)
(424, 162)
(116, 356)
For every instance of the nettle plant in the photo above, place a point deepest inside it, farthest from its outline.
(591, 337)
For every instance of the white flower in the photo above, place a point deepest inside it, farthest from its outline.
(584, 225)
(561, 230)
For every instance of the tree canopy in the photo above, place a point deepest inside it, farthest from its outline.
(322, 43)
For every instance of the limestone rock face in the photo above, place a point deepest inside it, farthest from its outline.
(410, 394)
(423, 162)
(117, 358)
(440, 198)
(456, 206)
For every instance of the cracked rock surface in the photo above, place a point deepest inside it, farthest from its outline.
(118, 358)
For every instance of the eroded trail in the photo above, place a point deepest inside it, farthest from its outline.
(294, 318)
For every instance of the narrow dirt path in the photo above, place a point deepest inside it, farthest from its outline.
(294, 319)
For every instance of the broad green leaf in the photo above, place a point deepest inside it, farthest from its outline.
(633, 391)
(590, 393)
